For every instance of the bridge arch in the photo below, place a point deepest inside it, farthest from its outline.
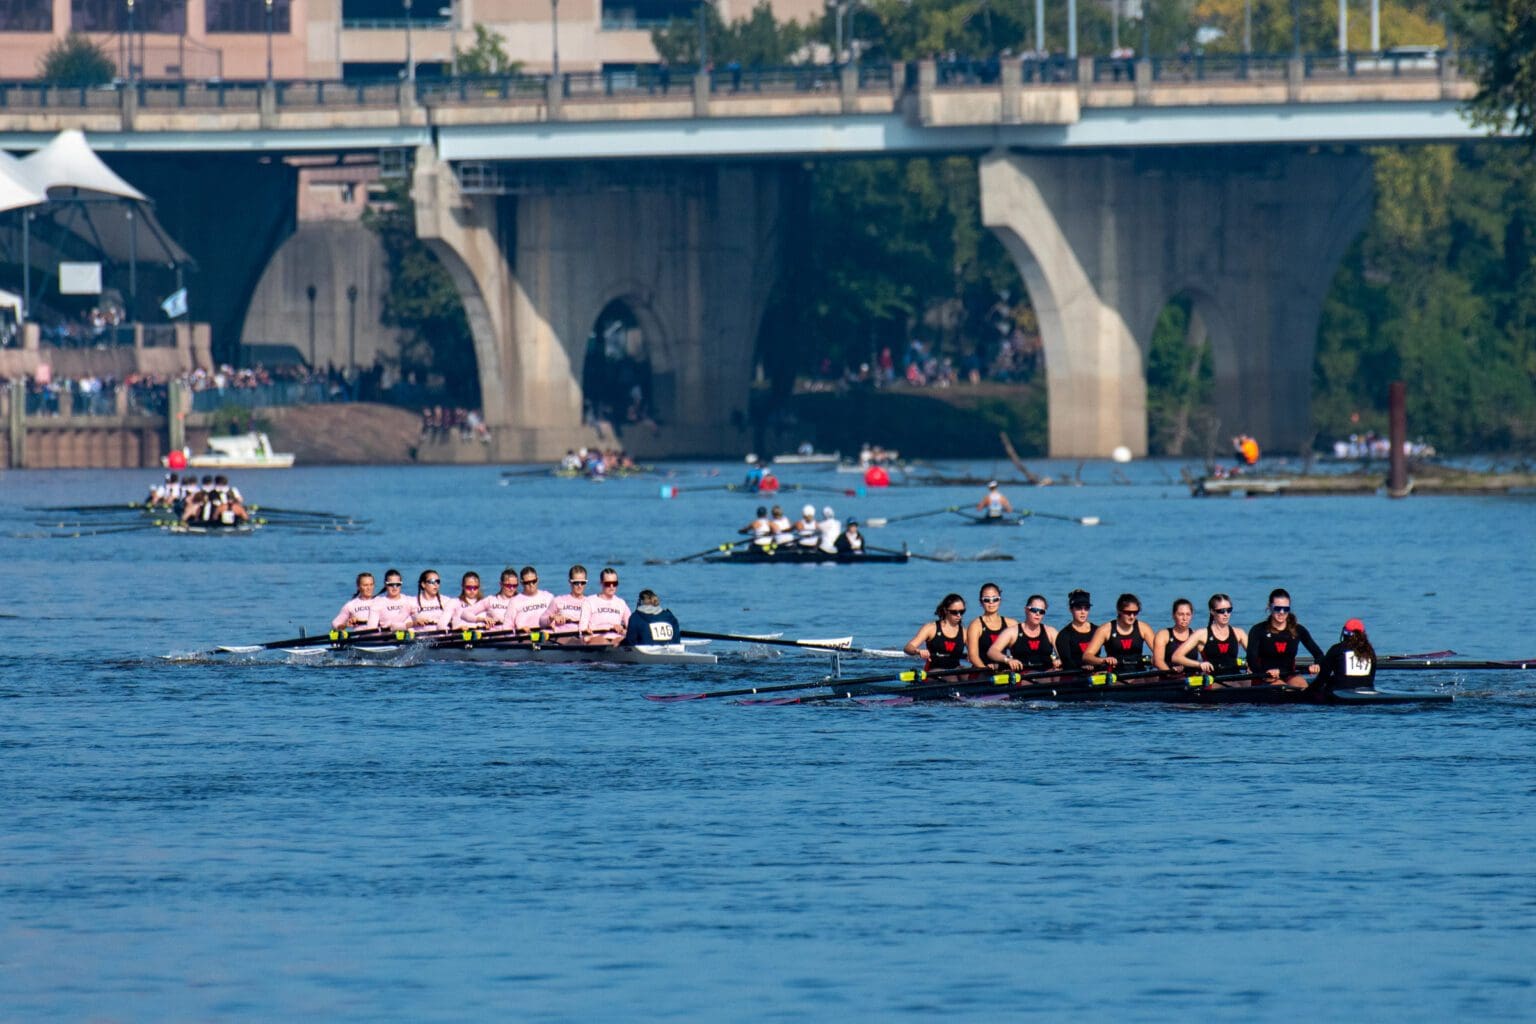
(628, 350)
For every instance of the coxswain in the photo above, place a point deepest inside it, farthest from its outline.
(605, 616)
(528, 607)
(941, 643)
(1073, 638)
(807, 534)
(433, 612)
(994, 504)
(491, 611)
(1124, 643)
(850, 541)
(358, 612)
(469, 596)
(650, 623)
(1030, 646)
(1214, 649)
(830, 529)
(783, 529)
(985, 628)
(1272, 644)
(760, 529)
(564, 612)
(392, 609)
(1349, 664)
(1168, 639)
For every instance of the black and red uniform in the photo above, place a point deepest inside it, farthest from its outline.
(1221, 654)
(944, 651)
(989, 637)
(1034, 652)
(1129, 651)
(1072, 645)
(1276, 648)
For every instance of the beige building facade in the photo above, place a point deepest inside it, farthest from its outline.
(160, 40)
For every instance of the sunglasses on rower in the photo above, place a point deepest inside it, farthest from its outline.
(1280, 609)
(955, 611)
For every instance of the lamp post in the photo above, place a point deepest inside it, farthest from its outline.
(311, 292)
(130, 41)
(269, 4)
(410, 52)
(352, 337)
(554, 44)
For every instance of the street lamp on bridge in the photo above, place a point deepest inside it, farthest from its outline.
(130, 41)
(269, 5)
(554, 41)
(410, 51)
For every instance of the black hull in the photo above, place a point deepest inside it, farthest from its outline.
(790, 556)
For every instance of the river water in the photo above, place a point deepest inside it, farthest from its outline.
(259, 839)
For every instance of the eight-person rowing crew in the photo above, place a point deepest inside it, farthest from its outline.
(213, 501)
(1125, 644)
(775, 530)
(519, 607)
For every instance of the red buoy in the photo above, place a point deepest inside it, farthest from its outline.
(177, 459)
(876, 476)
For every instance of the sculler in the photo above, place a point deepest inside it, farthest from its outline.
(994, 504)
(469, 595)
(985, 628)
(528, 607)
(1124, 643)
(564, 612)
(1030, 646)
(1167, 640)
(605, 616)
(941, 643)
(651, 623)
(783, 529)
(358, 612)
(1214, 649)
(807, 534)
(392, 609)
(434, 612)
(492, 611)
(1350, 663)
(830, 529)
(759, 529)
(1272, 643)
(1073, 638)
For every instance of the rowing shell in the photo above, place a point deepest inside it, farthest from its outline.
(644, 654)
(789, 555)
(1165, 694)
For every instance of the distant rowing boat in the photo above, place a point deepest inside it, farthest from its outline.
(788, 555)
(493, 650)
(1159, 693)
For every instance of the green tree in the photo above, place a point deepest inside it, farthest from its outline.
(756, 41)
(488, 55)
(423, 301)
(76, 61)
(1179, 383)
(1506, 33)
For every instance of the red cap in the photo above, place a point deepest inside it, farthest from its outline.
(1354, 626)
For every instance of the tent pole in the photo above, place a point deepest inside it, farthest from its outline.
(26, 263)
(133, 267)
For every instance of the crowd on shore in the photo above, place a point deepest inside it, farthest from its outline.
(1017, 358)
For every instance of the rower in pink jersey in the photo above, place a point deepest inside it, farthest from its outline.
(493, 610)
(434, 612)
(528, 607)
(392, 608)
(358, 613)
(605, 616)
(564, 612)
(469, 594)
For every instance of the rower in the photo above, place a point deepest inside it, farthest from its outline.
(1214, 649)
(768, 483)
(358, 612)
(850, 541)
(1073, 638)
(651, 623)
(985, 628)
(605, 616)
(754, 477)
(1273, 642)
(1167, 640)
(159, 494)
(994, 503)
(807, 534)
(433, 611)
(1122, 644)
(830, 529)
(564, 612)
(941, 643)
(1350, 663)
(490, 612)
(469, 595)
(783, 529)
(1030, 646)
(760, 529)
(392, 609)
(528, 607)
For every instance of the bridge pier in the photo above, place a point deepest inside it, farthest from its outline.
(691, 251)
(1104, 241)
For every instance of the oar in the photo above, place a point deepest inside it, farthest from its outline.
(996, 557)
(911, 675)
(1426, 656)
(886, 521)
(331, 638)
(122, 506)
(815, 645)
(985, 680)
(1081, 520)
(491, 638)
(699, 554)
(98, 533)
(1457, 666)
(297, 512)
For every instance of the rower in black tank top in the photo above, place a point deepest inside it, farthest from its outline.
(1126, 649)
(1035, 652)
(945, 651)
(1072, 645)
(1221, 652)
(1171, 646)
(989, 636)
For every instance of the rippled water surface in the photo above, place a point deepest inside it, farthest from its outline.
(263, 838)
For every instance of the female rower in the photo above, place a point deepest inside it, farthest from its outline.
(469, 595)
(1124, 643)
(358, 612)
(985, 628)
(1073, 638)
(1213, 650)
(1030, 646)
(529, 606)
(1165, 641)
(942, 641)
(392, 608)
(490, 612)
(783, 529)
(434, 612)
(1272, 646)
(1350, 663)
(564, 612)
(605, 616)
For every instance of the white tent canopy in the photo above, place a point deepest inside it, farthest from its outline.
(68, 162)
(16, 188)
